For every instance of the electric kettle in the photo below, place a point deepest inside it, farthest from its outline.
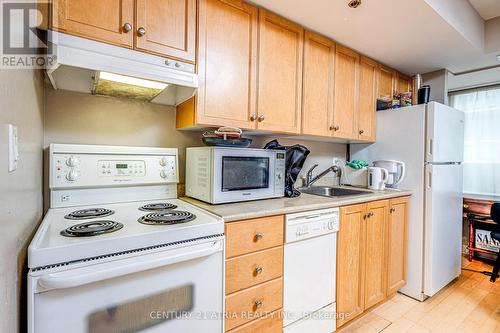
(377, 178)
(396, 171)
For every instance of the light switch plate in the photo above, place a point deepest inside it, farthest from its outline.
(13, 147)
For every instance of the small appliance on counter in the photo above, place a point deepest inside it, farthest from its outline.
(223, 175)
(396, 171)
(377, 178)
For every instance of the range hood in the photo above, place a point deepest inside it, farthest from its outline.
(88, 66)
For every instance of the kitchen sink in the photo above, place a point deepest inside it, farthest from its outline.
(327, 191)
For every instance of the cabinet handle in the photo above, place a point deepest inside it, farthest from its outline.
(141, 31)
(258, 236)
(361, 132)
(127, 27)
(334, 128)
(253, 117)
(258, 304)
(392, 210)
(261, 118)
(258, 270)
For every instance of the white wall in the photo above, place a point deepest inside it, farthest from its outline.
(21, 104)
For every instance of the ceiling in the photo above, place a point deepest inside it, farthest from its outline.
(488, 9)
(409, 35)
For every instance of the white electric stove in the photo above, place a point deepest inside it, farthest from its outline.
(118, 252)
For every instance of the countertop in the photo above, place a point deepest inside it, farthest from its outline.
(305, 202)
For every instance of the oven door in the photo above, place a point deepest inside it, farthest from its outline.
(178, 290)
(241, 175)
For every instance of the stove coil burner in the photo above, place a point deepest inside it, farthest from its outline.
(165, 218)
(89, 213)
(157, 206)
(93, 228)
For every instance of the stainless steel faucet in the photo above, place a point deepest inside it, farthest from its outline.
(311, 180)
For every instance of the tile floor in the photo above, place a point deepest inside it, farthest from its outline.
(471, 304)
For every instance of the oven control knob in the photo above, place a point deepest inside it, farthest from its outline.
(72, 175)
(163, 161)
(163, 174)
(72, 161)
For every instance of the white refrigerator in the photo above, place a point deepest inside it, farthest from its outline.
(429, 140)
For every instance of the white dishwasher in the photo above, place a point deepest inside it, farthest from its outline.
(309, 271)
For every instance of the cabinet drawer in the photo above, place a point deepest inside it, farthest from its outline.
(251, 269)
(253, 235)
(270, 323)
(252, 303)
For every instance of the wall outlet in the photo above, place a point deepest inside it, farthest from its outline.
(13, 147)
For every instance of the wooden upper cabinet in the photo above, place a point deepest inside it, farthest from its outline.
(318, 84)
(227, 63)
(166, 28)
(280, 74)
(368, 85)
(345, 116)
(404, 83)
(351, 263)
(397, 236)
(96, 19)
(375, 276)
(388, 82)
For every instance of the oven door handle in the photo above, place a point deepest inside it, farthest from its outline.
(103, 271)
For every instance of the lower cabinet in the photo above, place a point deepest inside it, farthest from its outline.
(371, 255)
(371, 264)
(254, 275)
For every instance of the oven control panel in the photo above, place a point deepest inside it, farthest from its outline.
(68, 170)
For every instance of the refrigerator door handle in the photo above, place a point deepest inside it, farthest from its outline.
(429, 179)
(431, 146)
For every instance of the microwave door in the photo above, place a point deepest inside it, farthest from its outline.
(243, 175)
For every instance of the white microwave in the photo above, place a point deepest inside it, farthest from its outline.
(222, 175)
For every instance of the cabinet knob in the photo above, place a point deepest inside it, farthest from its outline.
(258, 304)
(261, 118)
(361, 132)
(370, 214)
(127, 27)
(253, 117)
(392, 210)
(258, 270)
(334, 128)
(258, 236)
(141, 31)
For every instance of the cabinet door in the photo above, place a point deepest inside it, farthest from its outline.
(397, 235)
(227, 63)
(350, 263)
(169, 28)
(368, 80)
(345, 114)
(375, 246)
(404, 83)
(317, 97)
(104, 21)
(280, 74)
(387, 82)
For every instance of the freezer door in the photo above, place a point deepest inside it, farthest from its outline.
(443, 226)
(445, 134)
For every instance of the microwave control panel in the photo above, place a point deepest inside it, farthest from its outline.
(279, 174)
